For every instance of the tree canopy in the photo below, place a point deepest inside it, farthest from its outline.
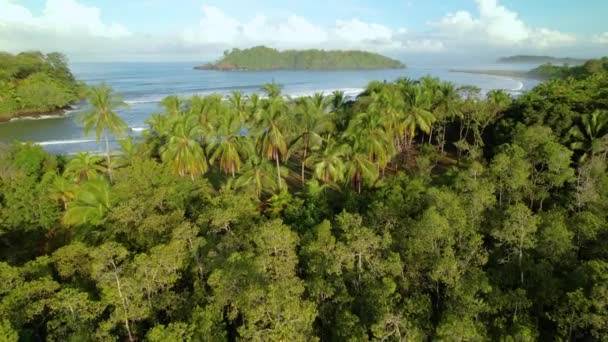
(264, 58)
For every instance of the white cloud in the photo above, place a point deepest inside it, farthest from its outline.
(64, 17)
(601, 38)
(498, 26)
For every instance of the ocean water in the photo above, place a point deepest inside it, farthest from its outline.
(143, 85)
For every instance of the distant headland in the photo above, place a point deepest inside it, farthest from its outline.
(520, 59)
(263, 58)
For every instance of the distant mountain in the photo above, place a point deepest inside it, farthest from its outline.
(262, 58)
(540, 60)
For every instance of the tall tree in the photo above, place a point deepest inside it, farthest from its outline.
(102, 117)
(312, 121)
(182, 151)
(589, 136)
(271, 129)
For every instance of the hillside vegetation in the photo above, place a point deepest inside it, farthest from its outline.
(540, 59)
(263, 58)
(34, 83)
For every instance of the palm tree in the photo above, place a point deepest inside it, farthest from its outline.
(258, 174)
(447, 108)
(62, 190)
(272, 129)
(131, 151)
(172, 105)
(337, 100)
(83, 166)
(228, 145)
(417, 115)
(183, 152)
(590, 136)
(328, 164)
(359, 169)
(311, 122)
(368, 135)
(238, 103)
(90, 204)
(103, 118)
(272, 89)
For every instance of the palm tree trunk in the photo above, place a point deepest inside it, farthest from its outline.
(105, 133)
(303, 165)
(276, 158)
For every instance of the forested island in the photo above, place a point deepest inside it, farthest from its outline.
(531, 59)
(262, 58)
(33, 83)
(420, 211)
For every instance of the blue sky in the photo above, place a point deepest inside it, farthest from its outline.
(185, 29)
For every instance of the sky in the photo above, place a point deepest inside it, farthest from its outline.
(162, 30)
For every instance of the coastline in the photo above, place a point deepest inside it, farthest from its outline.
(214, 68)
(504, 73)
(56, 113)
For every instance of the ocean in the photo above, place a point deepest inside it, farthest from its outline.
(143, 85)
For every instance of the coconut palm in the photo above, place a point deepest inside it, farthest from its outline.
(228, 144)
(368, 135)
(272, 89)
(447, 109)
(238, 104)
(90, 205)
(183, 152)
(417, 114)
(172, 105)
(160, 125)
(83, 166)
(62, 190)
(337, 100)
(591, 134)
(259, 174)
(102, 117)
(328, 163)
(271, 129)
(311, 121)
(359, 169)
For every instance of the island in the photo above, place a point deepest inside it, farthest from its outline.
(33, 84)
(531, 59)
(263, 58)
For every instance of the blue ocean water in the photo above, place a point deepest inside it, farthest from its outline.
(145, 84)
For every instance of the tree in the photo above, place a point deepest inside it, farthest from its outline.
(228, 144)
(83, 166)
(90, 205)
(271, 129)
(590, 136)
(359, 169)
(102, 117)
(328, 165)
(517, 234)
(172, 105)
(417, 115)
(182, 152)
(313, 120)
(259, 174)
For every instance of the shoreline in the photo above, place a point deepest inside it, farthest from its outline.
(203, 68)
(503, 73)
(57, 113)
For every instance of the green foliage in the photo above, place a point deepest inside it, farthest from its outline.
(33, 83)
(264, 58)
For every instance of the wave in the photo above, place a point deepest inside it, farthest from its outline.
(138, 129)
(65, 142)
(520, 86)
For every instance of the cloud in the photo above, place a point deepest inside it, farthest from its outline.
(64, 17)
(496, 25)
(601, 38)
